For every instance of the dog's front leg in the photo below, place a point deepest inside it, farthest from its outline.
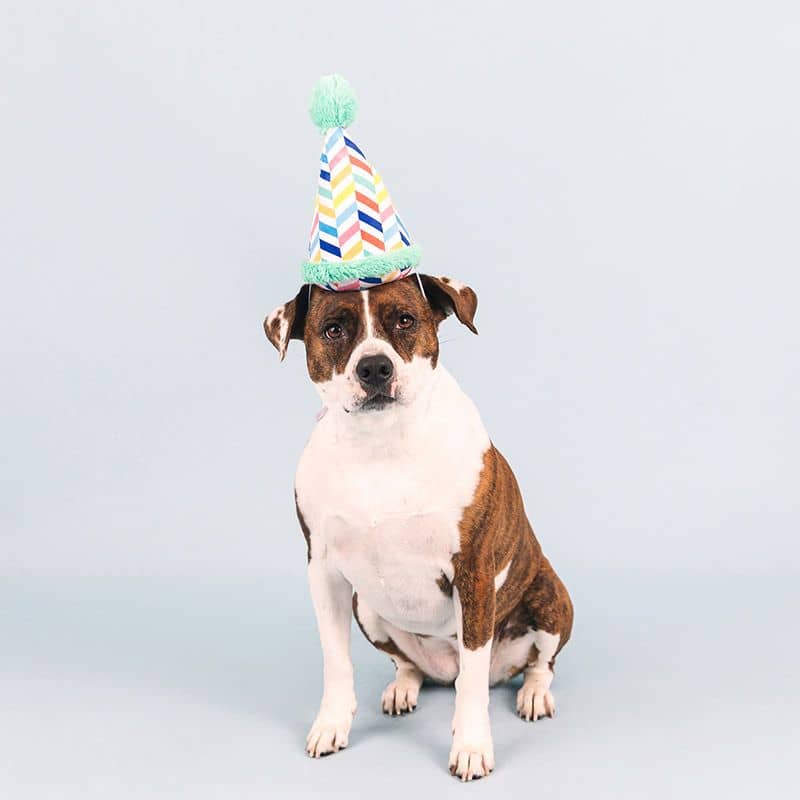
(332, 597)
(472, 753)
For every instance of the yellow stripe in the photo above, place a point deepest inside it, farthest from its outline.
(345, 173)
(381, 196)
(343, 195)
(398, 244)
(353, 251)
(326, 210)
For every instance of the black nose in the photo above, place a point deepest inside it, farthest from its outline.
(374, 371)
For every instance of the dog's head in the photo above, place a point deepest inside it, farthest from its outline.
(369, 350)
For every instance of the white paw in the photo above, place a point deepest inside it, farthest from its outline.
(535, 701)
(329, 732)
(472, 758)
(400, 697)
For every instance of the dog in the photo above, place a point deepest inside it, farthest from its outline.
(413, 520)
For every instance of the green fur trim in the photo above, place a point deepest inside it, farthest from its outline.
(370, 267)
(333, 103)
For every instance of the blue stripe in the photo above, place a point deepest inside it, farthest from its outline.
(400, 223)
(371, 280)
(326, 176)
(329, 248)
(313, 243)
(346, 214)
(387, 235)
(331, 231)
(335, 136)
(366, 218)
(405, 241)
(355, 147)
(323, 158)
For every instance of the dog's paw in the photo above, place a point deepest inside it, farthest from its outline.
(329, 733)
(400, 697)
(471, 759)
(535, 701)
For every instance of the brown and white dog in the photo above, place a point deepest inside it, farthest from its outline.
(413, 519)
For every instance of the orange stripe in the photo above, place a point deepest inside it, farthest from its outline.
(359, 163)
(362, 198)
(368, 237)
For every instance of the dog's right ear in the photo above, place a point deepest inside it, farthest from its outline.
(287, 321)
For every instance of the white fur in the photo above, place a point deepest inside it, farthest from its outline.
(331, 595)
(457, 285)
(472, 752)
(382, 493)
(437, 656)
(501, 576)
(534, 699)
(402, 693)
(283, 331)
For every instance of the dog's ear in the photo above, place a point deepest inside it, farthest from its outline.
(447, 296)
(287, 321)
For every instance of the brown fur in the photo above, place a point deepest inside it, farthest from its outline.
(389, 646)
(308, 319)
(444, 584)
(495, 530)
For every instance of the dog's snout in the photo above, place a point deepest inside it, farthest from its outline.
(374, 371)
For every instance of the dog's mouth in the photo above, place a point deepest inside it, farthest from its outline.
(377, 402)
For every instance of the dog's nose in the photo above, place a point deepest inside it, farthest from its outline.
(374, 371)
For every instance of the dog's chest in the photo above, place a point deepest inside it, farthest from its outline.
(393, 548)
(388, 518)
(391, 528)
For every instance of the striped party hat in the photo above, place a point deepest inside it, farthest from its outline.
(357, 237)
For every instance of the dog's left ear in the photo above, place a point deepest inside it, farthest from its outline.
(287, 321)
(447, 296)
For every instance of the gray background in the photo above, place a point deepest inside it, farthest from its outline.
(619, 182)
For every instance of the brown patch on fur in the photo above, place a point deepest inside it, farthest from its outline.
(303, 526)
(444, 584)
(388, 646)
(446, 300)
(326, 356)
(495, 531)
(388, 302)
(294, 312)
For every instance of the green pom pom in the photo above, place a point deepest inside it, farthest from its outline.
(333, 103)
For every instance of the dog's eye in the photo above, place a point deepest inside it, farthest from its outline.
(333, 331)
(405, 321)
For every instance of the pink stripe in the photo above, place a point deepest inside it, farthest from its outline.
(354, 228)
(336, 159)
(387, 212)
(314, 223)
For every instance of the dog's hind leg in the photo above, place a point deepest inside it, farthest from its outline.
(529, 639)
(549, 611)
(402, 694)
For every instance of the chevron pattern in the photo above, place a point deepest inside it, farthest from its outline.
(354, 217)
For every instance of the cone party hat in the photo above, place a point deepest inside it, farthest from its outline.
(357, 237)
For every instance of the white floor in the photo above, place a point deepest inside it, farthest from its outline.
(674, 686)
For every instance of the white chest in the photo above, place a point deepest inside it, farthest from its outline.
(383, 505)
